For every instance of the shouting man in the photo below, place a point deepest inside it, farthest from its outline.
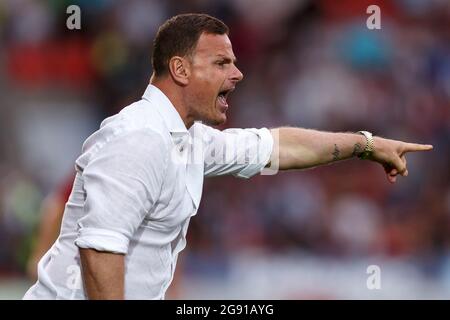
(140, 176)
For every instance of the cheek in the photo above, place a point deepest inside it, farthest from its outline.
(206, 84)
(203, 74)
(209, 77)
(206, 90)
(201, 99)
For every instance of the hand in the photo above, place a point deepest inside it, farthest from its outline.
(391, 155)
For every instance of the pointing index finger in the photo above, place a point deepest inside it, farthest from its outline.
(412, 147)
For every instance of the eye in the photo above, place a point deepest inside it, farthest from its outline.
(221, 63)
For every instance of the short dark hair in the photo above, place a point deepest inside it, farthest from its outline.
(178, 36)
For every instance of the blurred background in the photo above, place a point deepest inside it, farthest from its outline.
(315, 64)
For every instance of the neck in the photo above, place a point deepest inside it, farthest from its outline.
(175, 94)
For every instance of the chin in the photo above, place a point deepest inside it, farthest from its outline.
(215, 120)
(221, 119)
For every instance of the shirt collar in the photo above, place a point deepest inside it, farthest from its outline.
(170, 115)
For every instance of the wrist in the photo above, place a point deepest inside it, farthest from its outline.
(368, 146)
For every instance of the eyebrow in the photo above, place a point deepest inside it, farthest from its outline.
(227, 59)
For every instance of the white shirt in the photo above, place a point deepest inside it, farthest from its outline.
(139, 181)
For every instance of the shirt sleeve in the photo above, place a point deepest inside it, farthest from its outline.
(239, 152)
(122, 182)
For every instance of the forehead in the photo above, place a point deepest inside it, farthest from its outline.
(214, 44)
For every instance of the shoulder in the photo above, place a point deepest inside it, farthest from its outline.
(137, 128)
(138, 120)
(203, 132)
(142, 115)
(207, 133)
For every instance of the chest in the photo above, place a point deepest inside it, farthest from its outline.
(181, 190)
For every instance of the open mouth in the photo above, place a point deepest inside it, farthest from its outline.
(223, 95)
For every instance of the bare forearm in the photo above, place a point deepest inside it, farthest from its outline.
(103, 274)
(304, 148)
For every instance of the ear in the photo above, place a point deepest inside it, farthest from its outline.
(179, 69)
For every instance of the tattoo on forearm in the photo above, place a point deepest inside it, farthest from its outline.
(336, 153)
(357, 150)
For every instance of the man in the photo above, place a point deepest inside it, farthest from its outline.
(139, 178)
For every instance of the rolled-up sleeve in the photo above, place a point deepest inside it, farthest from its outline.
(239, 152)
(122, 181)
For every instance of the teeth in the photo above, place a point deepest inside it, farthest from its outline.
(222, 99)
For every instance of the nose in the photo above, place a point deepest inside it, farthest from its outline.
(237, 74)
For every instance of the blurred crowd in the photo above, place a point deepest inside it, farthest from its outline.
(306, 63)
